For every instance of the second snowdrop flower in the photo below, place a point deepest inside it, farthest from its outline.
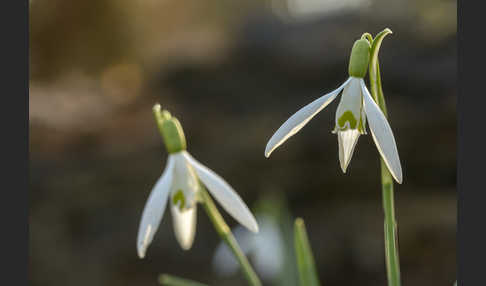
(180, 184)
(356, 106)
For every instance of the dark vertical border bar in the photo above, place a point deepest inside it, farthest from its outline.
(14, 90)
(471, 174)
(459, 155)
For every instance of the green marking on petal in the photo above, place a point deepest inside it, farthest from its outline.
(179, 197)
(347, 116)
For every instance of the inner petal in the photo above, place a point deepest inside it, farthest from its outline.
(349, 113)
(347, 141)
(184, 223)
(179, 200)
(185, 185)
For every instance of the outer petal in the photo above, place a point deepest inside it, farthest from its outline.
(224, 194)
(154, 208)
(347, 141)
(184, 225)
(382, 135)
(300, 119)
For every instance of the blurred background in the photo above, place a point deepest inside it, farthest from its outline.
(233, 72)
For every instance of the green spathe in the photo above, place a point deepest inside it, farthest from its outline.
(171, 130)
(359, 59)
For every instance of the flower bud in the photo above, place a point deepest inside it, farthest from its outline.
(360, 56)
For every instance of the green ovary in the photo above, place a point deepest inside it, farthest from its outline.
(347, 117)
(179, 197)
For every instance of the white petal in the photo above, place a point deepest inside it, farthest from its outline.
(224, 194)
(184, 225)
(350, 103)
(185, 180)
(347, 141)
(300, 119)
(154, 208)
(382, 135)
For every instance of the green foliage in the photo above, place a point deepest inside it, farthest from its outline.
(390, 226)
(169, 280)
(305, 260)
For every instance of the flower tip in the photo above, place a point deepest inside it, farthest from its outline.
(343, 168)
(397, 176)
(250, 223)
(299, 222)
(254, 228)
(268, 151)
(387, 30)
(141, 251)
(186, 247)
(185, 242)
(400, 180)
(157, 107)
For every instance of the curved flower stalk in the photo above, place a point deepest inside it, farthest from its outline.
(355, 108)
(180, 184)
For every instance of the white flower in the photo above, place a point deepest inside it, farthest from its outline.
(355, 108)
(265, 249)
(180, 182)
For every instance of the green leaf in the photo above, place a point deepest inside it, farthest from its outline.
(374, 68)
(305, 260)
(390, 227)
(169, 280)
(375, 48)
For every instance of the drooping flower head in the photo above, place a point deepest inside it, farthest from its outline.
(181, 183)
(355, 108)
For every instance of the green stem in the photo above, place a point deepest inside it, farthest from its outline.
(390, 229)
(391, 238)
(169, 280)
(227, 236)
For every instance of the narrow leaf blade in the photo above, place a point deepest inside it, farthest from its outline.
(169, 280)
(305, 260)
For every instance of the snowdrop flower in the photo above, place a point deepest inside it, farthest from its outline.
(180, 184)
(266, 250)
(356, 106)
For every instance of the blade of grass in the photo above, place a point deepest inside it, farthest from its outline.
(305, 260)
(169, 280)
